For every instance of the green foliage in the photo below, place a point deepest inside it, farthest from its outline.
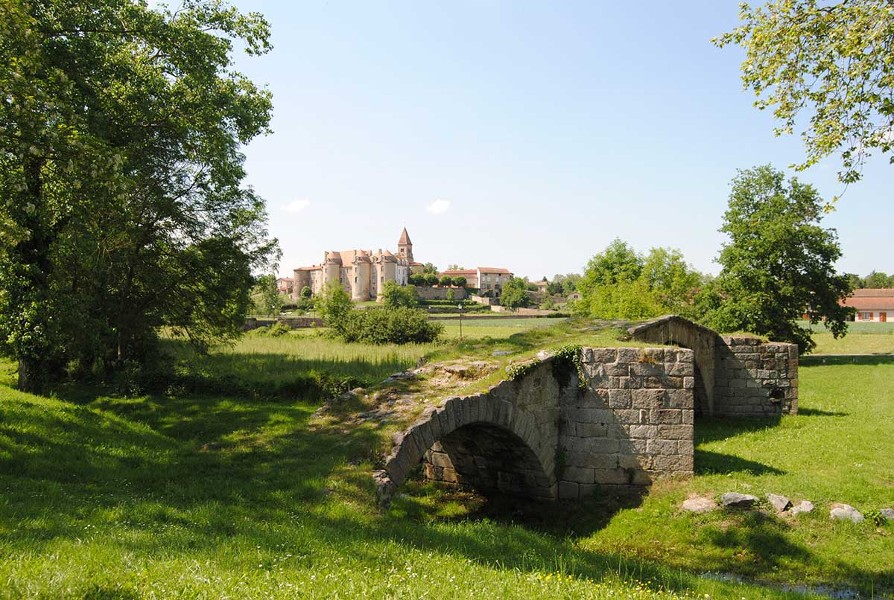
(429, 269)
(306, 293)
(398, 325)
(620, 283)
(430, 279)
(120, 178)
(265, 296)
(335, 306)
(446, 280)
(416, 279)
(515, 293)
(832, 59)
(451, 295)
(876, 279)
(459, 281)
(563, 285)
(779, 263)
(394, 295)
(569, 358)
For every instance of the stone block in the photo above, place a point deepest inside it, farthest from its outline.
(617, 369)
(627, 416)
(628, 355)
(578, 474)
(646, 398)
(588, 430)
(653, 382)
(634, 462)
(658, 446)
(668, 463)
(643, 431)
(587, 490)
(665, 416)
(678, 399)
(613, 476)
(689, 383)
(645, 369)
(678, 369)
(675, 432)
(600, 445)
(440, 459)
(619, 398)
(604, 355)
(688, 417)
(568, 490)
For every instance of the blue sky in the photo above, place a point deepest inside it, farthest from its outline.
(520, 134)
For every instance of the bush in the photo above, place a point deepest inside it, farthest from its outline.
(459, 281)
(399, 325)
(446, 280)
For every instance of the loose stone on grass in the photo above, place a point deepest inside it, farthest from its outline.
(736, 500)
(780, 503)
(699, 504)
(888, 513)
(845, 512)
(804, 506)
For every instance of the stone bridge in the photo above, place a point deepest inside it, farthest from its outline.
(561, 428)
(596, 418)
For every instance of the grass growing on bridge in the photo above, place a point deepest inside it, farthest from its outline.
(213, 495)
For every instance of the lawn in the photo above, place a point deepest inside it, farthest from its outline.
(230, 495)
(861, 338)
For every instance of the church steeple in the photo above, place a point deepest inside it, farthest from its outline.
(405, 246)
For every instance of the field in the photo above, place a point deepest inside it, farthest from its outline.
(862, 338)
(211, 495)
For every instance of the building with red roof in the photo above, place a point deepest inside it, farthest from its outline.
(872, 304)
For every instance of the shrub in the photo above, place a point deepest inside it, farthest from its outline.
(399, 325)
(446, 281)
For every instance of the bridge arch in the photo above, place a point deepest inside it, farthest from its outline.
(485, 441)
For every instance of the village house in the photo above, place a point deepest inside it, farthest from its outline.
(872, 304)
(488, 280)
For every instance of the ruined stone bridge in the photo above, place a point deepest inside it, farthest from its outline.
(602, 418)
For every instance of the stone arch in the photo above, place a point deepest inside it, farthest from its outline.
(468, 435)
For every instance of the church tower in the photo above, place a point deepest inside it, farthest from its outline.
(405, 246)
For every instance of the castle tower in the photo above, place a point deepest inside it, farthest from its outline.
(405, 246)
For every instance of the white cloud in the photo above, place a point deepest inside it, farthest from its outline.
(296, 206)
(438, 207)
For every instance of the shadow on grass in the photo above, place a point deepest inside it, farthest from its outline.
(718, 428)
(845, 359)
(816, 412)
(707, 463)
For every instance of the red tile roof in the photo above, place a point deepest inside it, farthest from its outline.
(871, 299)
(495, 270)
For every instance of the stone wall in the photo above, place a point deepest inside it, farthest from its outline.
(755, 378)
(425, 292)
(632, 424)
(736, 376)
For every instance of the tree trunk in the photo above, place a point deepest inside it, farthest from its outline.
(30, 379)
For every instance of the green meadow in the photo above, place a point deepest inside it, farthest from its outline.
(227, 485)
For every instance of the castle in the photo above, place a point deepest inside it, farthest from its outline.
(361, 272)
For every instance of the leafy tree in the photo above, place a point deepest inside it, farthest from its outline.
(121, 206)
(877, 279)
(306, 293)
(265, 296)
(430, 279)
(779, 262)
(446, 280)
(673, 283)
(335, 307)
(515, 293)
(619, 283)
(830, 58)
(455, 267)
(429, 268)
(394, 295)
(459, 281)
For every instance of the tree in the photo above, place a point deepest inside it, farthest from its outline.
(445, 281)
(620, 283)
(265, 296)
(459, 281)
(121, 205)
(877, 279)
(430, 279)
(515, 293)
(394, 295)
(830, 58)
(455, 267)
(429, 269)
(335, 306)
(779, 262)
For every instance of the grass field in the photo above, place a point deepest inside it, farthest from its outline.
(861, 338)
(223, 495)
